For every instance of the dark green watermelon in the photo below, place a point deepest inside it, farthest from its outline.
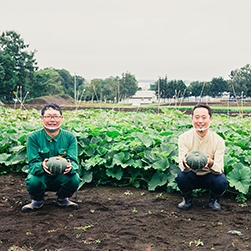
(57, 165)
(196, 159)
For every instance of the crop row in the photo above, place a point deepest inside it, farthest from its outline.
(138, 149)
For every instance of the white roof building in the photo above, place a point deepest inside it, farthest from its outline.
(141, 97)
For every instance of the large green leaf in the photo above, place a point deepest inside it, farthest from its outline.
(115, 172)
(228, 160)
(92, 162)
(161, 164)
(171, 175)
(4, 143)
(112, 132)
(86, 178)
(247, 158)
(4, 157)
(17, 158)
(240, 179)
(135, 172)
(145, 139)
(158, 179)
(17, 148)
(150, 156)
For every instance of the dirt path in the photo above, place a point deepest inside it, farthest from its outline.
(67, 104)
(112, 218)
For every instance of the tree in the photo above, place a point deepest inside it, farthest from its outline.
(48, 82)
(153, 86)
(161, 87)
(176, 88)
(110, 88)
(240, 82)
(68, 82)
(18, 65)
(67, 79)
(195, 89)
(128, 86)
(170, 89)
(217, 87)
(96, 85)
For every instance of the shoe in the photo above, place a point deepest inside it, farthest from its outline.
(66, 203)
(187, 202)
(214, 203)
(33, 206)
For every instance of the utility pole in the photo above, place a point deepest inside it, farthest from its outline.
(118, 93)
(75, 91)
(158, 90)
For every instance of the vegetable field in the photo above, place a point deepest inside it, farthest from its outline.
(121, 149)
(128, 161)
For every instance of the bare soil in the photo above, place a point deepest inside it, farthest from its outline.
(67, 104)
(113, 218)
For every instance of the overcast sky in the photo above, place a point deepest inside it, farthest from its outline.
(181, 39)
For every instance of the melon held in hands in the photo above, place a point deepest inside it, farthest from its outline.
(57, 165)
(196, 159)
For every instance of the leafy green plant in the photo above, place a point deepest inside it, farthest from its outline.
(197, 243)
(83, 228)
(129, 149)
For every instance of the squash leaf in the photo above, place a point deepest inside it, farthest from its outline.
(158, 179)
(240, 179)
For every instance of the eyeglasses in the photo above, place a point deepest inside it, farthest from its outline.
(49, 117)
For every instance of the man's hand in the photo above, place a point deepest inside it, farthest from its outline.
(210, 162)
(69, 167)
(185, 162)
(45, 167)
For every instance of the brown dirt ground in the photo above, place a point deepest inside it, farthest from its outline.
(113, 218)
(67, 103)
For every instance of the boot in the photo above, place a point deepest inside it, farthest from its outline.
(187, 201)
(214, 202)
(33, 206)
(37, 202)
(62, 199)
(66, 203)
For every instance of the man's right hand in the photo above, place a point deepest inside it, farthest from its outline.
(45, 167)
(185, 162)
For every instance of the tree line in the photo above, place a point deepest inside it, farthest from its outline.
(19, 71)
(238, 86)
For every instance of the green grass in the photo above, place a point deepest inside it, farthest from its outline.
(214, 108)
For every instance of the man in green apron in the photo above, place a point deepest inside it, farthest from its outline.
(41, 145)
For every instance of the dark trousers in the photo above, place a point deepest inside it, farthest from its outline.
(64, 184)
(187, 181)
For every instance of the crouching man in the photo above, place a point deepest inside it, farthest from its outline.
(41, 145)
(210, 177)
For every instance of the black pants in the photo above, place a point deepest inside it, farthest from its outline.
(187, 181)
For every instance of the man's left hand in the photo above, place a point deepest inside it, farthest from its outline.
(210, 162)
(69, 167)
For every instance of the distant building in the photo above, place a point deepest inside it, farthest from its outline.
(140, 98)
(145, 84)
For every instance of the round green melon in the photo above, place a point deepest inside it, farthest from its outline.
(57, 165)
(196, 159)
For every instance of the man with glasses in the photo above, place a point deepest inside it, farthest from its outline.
(41, 145)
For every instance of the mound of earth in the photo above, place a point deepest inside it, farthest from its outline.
(62, 100)
(120, 218)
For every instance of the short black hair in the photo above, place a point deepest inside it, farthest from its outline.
(53, 106)
(203, 106)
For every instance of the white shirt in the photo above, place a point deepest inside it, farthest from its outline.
(211, 144)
